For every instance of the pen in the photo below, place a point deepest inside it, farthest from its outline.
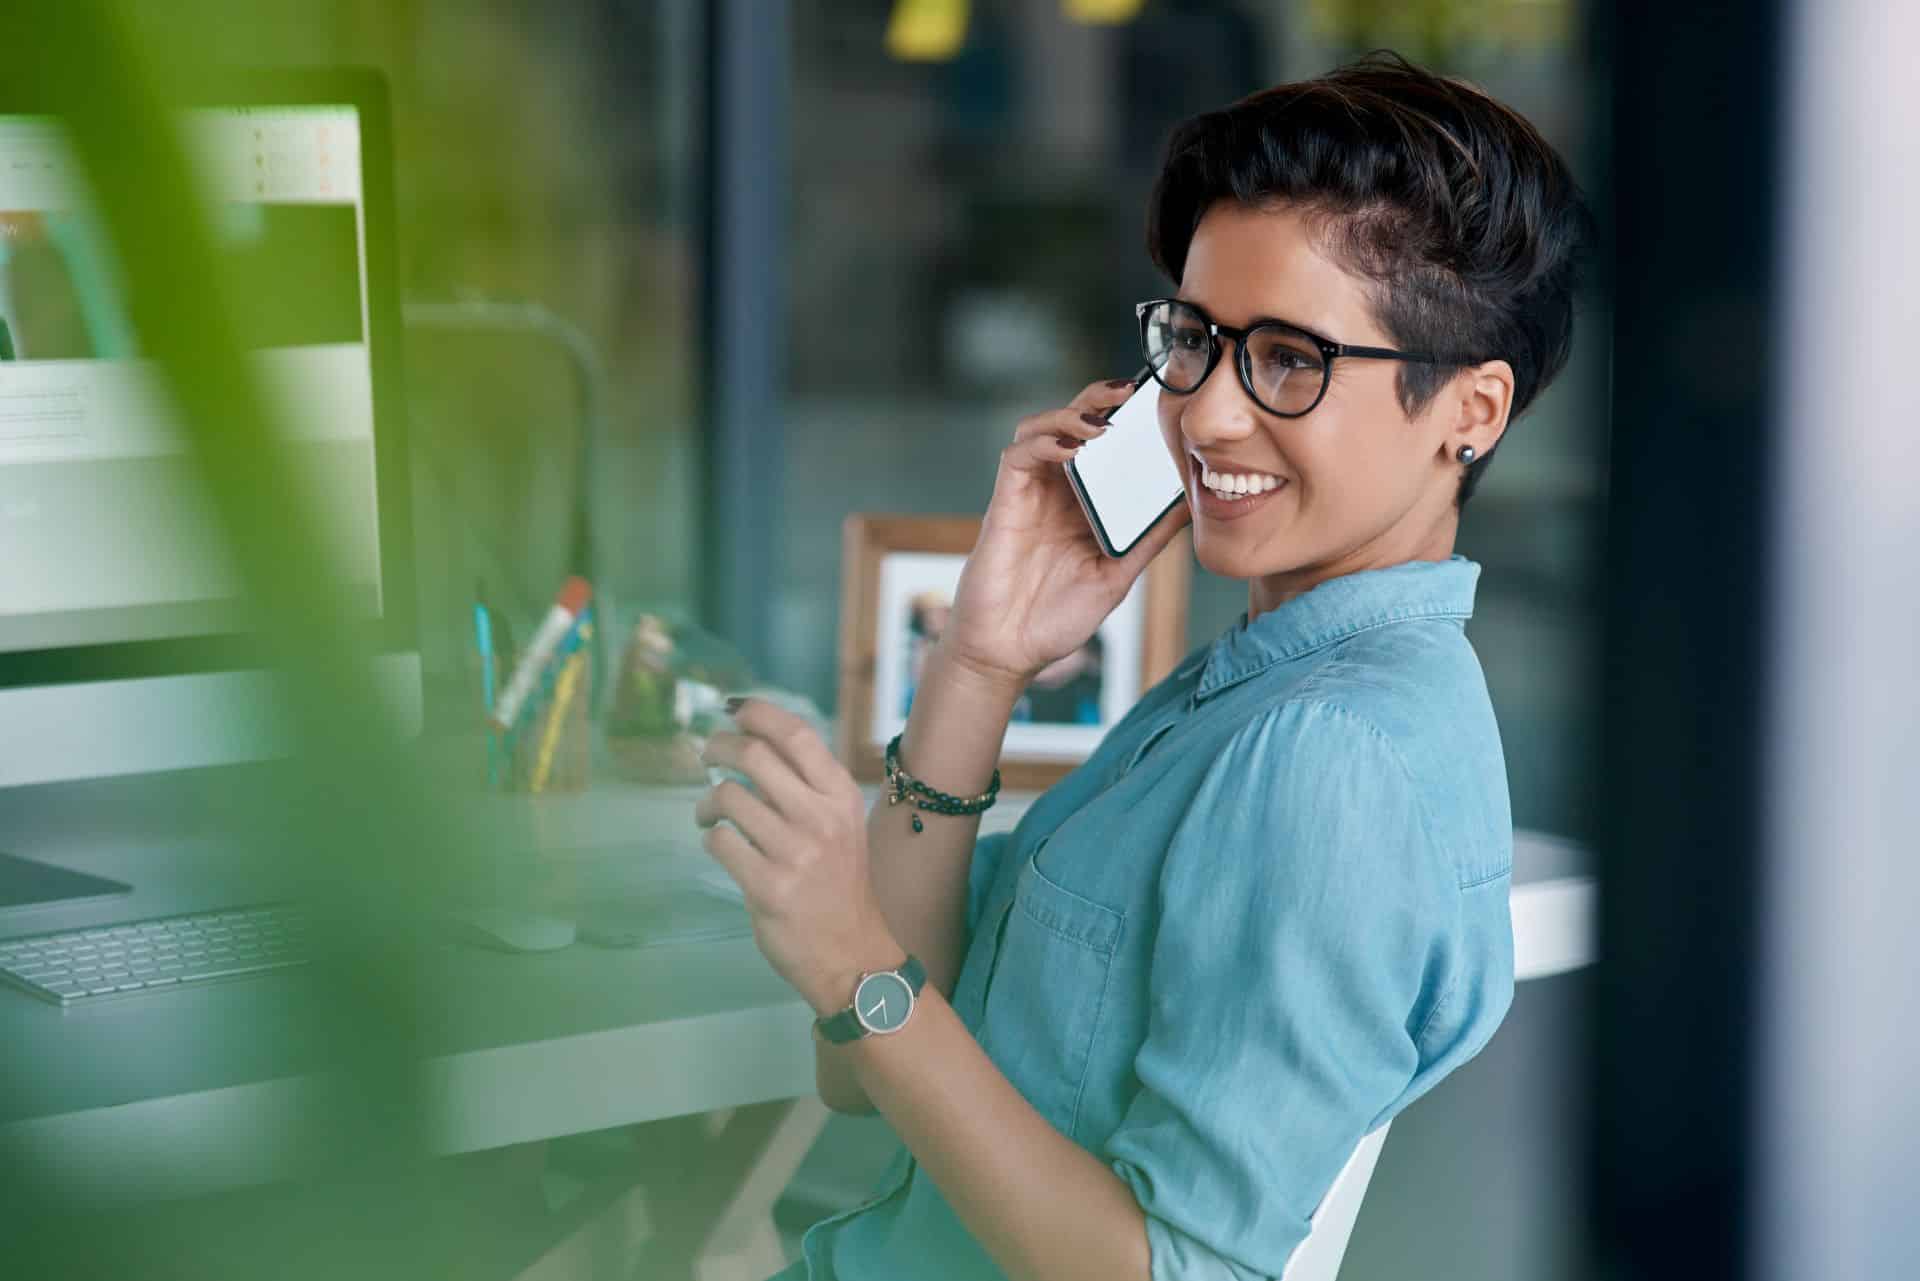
(483, 641)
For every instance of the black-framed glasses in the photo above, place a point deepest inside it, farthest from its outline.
(1283, 367)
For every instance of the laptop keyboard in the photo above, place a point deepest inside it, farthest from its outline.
(75, 966)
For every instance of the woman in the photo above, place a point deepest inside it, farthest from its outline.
(1271, 910)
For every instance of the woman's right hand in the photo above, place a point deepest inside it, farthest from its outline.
(1037, 586)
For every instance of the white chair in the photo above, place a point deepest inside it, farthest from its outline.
(1318, 1257)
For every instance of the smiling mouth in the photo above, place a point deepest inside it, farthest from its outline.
(1232, 486)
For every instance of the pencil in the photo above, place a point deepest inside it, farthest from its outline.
(557, 718)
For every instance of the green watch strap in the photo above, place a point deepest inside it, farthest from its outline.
(846, 1025)
(841, 1028)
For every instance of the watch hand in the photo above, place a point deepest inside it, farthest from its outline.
(881, 1006)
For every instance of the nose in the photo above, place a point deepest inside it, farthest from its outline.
(1218, 410)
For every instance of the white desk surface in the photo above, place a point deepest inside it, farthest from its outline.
(190, 1090)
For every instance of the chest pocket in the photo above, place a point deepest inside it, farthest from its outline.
(1045, 988)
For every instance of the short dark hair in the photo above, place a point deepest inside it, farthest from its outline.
(1467, 223)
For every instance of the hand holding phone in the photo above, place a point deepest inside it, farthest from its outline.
(1035, 586)
(1126, 480)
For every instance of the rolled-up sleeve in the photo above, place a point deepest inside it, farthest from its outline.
(1305, 936)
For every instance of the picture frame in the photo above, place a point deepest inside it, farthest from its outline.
(897, 575)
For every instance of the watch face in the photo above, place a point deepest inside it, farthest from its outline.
(882, 1002)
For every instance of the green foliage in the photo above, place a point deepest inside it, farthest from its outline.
(354, 815)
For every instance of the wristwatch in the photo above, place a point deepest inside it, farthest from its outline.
(882, 1002)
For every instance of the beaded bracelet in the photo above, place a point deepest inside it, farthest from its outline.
(904, 786)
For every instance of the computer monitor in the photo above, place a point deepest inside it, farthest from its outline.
(123, 643)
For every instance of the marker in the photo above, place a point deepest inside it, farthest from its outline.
(553, 629)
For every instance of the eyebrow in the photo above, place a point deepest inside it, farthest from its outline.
(1257, 320)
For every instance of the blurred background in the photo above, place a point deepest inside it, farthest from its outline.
(683, 283)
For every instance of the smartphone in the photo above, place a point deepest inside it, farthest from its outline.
(1125, 479)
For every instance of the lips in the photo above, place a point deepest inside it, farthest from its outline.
(1214, 507)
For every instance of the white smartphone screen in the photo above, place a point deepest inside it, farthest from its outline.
(1125, 478)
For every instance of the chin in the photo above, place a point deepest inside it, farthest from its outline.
(1221, 557)
(1260, 554)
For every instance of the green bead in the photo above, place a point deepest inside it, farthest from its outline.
(931, 798)
(918, 826)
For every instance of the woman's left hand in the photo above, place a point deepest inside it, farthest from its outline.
(798, 851)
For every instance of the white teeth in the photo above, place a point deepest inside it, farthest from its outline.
(1236, 485)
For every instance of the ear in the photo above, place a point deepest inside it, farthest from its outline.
(1482, 396)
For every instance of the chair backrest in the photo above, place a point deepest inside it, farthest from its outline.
(1318, 1257)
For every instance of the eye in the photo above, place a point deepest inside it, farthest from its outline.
(1188, 339)
(1281, 360)
(1275, 353)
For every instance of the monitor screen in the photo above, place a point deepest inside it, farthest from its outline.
(107, 534)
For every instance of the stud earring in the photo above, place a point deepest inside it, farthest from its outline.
(1466, 454)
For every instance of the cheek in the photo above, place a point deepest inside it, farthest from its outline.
(1353, 454)
(1170, 433)
(1323, 462)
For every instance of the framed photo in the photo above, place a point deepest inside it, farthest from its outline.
(897, 584)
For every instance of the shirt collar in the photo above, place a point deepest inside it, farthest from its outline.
(1335, 610)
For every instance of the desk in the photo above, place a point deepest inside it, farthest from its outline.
(199, 1089)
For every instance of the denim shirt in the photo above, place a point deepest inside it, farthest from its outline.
(1266, 915)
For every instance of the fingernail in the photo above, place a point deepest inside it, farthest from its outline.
(1120, 382)
(1095, 419)
(734, 704)
(1069, 442)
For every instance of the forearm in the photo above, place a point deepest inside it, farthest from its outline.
(952, 741)
(1041, 1205)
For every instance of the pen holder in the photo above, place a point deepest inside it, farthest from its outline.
(552, 747)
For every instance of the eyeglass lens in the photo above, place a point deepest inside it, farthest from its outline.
(1283, 369)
